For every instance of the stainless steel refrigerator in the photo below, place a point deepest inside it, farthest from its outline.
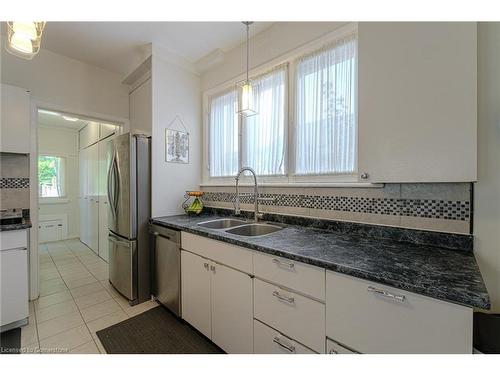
(129, 194)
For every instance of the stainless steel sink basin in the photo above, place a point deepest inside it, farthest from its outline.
(221, 223)
(253, 230)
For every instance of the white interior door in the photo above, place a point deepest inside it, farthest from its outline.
(84, 227)
(103, 200)
(93, 186)
(195, 275)
(232, 310)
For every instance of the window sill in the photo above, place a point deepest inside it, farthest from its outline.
(53, 200)
(300, 184)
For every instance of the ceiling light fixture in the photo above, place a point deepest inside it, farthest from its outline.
(46, 112)
(72, 119)
(24, 38)
(247, 90)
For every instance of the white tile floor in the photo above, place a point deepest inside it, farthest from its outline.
(76, 300)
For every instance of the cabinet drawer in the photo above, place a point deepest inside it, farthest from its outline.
(230, 255)
(333, 347)
(361, 316)
(269, 341)
(14, 239)
(299, 276)
(298, 317)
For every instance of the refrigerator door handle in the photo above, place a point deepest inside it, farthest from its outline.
(110, 198)
(117, 179)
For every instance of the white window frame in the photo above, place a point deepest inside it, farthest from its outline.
(290, 178)
(62, 198)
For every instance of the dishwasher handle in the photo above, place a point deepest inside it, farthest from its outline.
(166, 233)
(156, 234)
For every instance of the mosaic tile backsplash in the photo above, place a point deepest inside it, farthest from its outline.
(447, 210)
(439, 207)
(14, 181)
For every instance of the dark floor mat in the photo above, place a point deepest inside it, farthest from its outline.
(156, 331)
(10, 341)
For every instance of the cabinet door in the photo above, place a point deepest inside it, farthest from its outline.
(195, 272)
(15, 120)
(93, 201)
(84, 225)
(93, 224)
(14, 285)
(232, 309)
(103, 202)
(417, 101)
(140, 108)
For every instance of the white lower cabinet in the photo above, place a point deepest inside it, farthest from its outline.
(289, 308)
(13, 278)
(297, 316)
(374, 318)
(218, 301)
(333, 347)
(232, 309)
(269, 341)
(196, 299)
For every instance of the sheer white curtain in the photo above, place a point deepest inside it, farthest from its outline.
(263, 135)
(325, 117)
(223, 135)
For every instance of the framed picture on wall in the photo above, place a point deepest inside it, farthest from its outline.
(176, 146)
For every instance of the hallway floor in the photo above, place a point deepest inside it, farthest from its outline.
(76, 300)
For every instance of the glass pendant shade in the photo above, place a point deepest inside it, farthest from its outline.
(24, 38)
(247, 98)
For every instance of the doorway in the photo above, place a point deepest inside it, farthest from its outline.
(72, 179)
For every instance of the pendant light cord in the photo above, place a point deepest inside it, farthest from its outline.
(248, 49)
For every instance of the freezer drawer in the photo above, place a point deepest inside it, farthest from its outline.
(123, 265)
(167, 268)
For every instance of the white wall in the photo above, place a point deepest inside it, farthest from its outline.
(176, 91)
(71, 84)
(68, 85)
(487, 189)
(280, 38)
(63, 142)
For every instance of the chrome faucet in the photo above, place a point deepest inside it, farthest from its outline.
(237, 210)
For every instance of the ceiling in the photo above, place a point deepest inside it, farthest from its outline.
(56, 120)
(110, 45)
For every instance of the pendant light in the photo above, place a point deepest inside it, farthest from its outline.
(24, 38)
(247, 90)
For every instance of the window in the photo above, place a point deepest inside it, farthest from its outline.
(51, 182)
(263, 135)
(325, 117)
(223, 135)
(262, 143)
(309, 139)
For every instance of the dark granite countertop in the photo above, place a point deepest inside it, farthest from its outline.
(436, 272)
(24, 224)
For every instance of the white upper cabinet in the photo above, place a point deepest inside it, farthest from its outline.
(417, 105)
(140, 108)
(15, 120)
(89, 134)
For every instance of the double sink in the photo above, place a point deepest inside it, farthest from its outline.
(241, 227)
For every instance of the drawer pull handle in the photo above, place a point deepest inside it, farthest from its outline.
(206, 266)
(385, 293)
(280, 263)
(333, 351)
(283, 298)
(288, 347)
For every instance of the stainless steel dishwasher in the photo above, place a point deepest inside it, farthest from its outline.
(167, 267)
